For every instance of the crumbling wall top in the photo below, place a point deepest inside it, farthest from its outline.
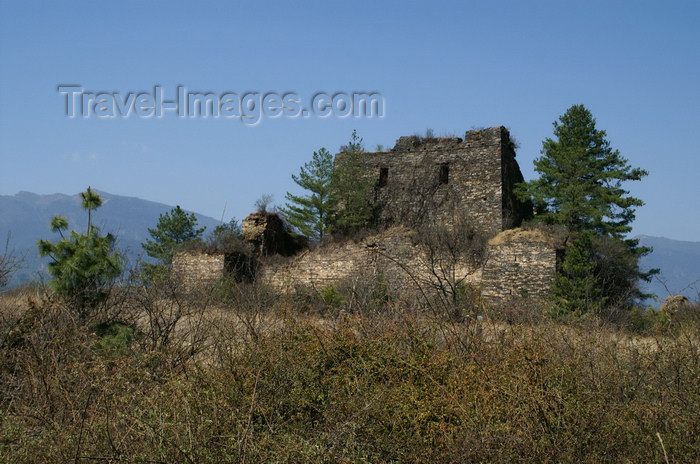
(269, 235)
(491, 136)
(519, 235)
(486, 137)
(416, 143)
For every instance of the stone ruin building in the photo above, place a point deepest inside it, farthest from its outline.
(420, 182)
(434, 179)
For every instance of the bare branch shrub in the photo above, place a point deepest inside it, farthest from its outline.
(262, 203)
(9, 263)
(172, 317)
(452, 254)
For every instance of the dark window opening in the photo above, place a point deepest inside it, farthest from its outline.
(444, 173)
(383, 176)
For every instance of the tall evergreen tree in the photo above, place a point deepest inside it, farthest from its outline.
(352, 192)
(173, 229)
(581, 187)
(577, 287)
(340, 194)
(309, 212)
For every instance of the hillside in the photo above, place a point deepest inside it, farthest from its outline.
(679, 262)
(26, 216)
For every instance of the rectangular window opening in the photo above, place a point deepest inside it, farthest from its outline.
(444, 173)
(383, 176)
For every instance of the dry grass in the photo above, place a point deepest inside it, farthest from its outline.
(250, 376)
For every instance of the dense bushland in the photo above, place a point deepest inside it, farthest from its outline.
(239, 374)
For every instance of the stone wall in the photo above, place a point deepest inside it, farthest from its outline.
(521, 264)
(394, 253)
(433, 179)
(420, 181)
(518, 263)
(194, 268)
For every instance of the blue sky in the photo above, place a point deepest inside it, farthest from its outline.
(449, 66)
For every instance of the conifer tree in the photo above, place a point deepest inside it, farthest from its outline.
(577, 287)
(91, 200)
(83, 266)
(581, 188)
(352, 193)
(309, 212)
(173, 229)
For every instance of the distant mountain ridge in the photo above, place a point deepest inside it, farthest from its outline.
(26, 217)
(679, 262)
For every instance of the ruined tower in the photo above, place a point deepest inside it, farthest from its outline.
(435, 179)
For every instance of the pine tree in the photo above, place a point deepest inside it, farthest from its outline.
(309, 213)
(91, 200)
(576, 287)
(581, 176)
(352, 191)
(83, 266)
(581, 187)
(173, 229)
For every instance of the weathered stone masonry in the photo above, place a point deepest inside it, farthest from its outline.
(395, 253)
(419, 180)
(521, 264)
(194, 268)
(429, 179)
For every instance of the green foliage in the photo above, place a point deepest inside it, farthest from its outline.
(173, 229)
(581, 176)
(224, 236)
(91, 200)
(115, 337)
(577, 289)
(352, 193)
(648, 321)
(340, 197)
(83, 266)
(356, 144)
(581, 187)
(332, 297)
(309, 213)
